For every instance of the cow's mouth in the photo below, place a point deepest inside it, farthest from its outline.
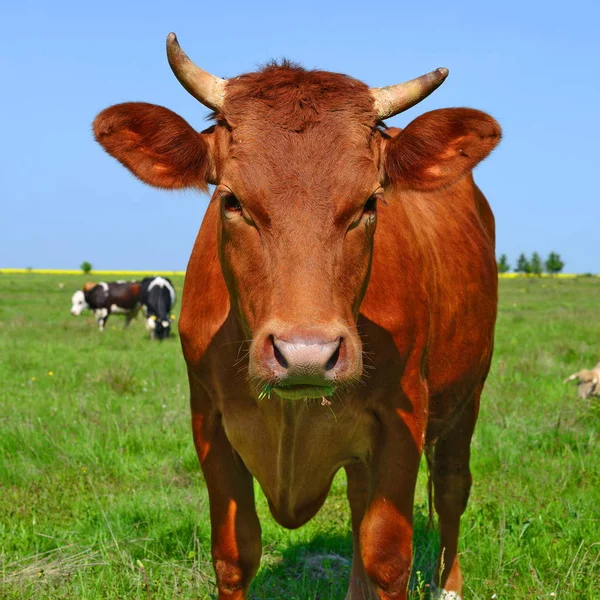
(297, 392)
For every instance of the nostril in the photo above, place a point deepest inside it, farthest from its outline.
(334, 357)
(278, 354)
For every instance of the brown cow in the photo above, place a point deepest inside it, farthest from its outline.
(288, 261)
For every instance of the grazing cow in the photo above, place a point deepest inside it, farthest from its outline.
(119, 297)
(356, 265)
(588, 380)
(158, 298)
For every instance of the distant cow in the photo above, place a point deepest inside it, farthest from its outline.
(158, 298)
(104, 299)
(588, 380)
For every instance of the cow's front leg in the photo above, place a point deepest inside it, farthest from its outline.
(236, 536)
(387, 527)
(360, 587)
(101, 315)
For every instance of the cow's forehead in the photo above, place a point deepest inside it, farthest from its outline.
(331, 160)
(299, 135)
(293, 99)
(274, 169)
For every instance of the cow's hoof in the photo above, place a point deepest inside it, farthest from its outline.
(445, 595)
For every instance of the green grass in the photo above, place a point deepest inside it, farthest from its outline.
(101, 495)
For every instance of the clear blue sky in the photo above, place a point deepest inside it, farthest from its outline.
(532, 65)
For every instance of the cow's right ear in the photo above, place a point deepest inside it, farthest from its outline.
(156, 145)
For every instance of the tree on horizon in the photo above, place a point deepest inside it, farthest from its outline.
(503, 265)
(523, 265)
(536, 264)
(554, 264)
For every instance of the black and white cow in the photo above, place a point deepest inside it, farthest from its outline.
(104, 299)
(158, 298)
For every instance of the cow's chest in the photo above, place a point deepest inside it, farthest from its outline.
(294, 448)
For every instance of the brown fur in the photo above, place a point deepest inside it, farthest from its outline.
(588, 381)
(292, 248)
(154, 143)
(437, 148)
(293, 99)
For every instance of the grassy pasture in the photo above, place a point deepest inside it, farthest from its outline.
(101, 495)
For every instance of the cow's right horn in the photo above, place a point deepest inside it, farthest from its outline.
(206, 88)
(394, 99)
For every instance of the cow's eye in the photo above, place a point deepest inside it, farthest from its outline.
(368, 215)
(231, 204)
(370, 206)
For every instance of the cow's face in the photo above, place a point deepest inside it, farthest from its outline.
(78, 303)
(299, 165)
(159, 329)
(298, 213)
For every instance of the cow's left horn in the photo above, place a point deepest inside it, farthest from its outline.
(394, 99)
(206, 88)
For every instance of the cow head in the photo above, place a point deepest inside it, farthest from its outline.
(300, 161)
(78, 303)
(159, 329)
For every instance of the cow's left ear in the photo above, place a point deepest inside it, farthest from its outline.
(438, 148)
(156, 145)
